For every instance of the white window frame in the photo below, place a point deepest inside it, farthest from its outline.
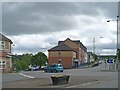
(1, 64)
(2, 45)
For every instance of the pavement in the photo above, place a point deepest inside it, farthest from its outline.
(47, 82)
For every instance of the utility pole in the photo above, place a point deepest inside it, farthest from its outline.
(94, 45)
(117, 62)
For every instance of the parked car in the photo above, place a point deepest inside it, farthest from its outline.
(34, 68)
(100, 61)
(54, 68)
(95, 64)
(42, 67)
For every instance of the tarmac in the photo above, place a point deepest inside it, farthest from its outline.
(47, 82)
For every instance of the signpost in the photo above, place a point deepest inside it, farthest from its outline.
(105, 64)
(110, 61)
(112, 64)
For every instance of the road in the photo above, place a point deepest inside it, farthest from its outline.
(79, 78)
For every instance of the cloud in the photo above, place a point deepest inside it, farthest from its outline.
(45, 17)
(38, 26)
(30, 43)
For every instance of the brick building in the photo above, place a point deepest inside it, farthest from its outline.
(5, 54)
(70, 53)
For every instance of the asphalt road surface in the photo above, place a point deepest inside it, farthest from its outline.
(79, 78)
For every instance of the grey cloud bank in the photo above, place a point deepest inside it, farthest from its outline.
(27, 18)
(56, 21)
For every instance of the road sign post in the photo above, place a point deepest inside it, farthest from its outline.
(111, 63)
(105, 64)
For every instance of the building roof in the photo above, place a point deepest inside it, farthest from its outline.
(3, 38)
(61, 47)
(76, 42)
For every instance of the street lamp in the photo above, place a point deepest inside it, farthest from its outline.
(117, 31)
(94, 47)
(117, 19)
(13, 48)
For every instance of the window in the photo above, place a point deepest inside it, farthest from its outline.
(2, 45)
(2, 64)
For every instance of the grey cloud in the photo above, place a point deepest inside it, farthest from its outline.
(32, 50)
(102, 46)
(52, 40)
(107, 46)
(22, 22)
(27, 18)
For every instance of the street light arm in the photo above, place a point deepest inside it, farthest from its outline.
(113, 19)
(110, 20)
(100, 37)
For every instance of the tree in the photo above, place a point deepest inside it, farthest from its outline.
(21, 62)
(39, 59)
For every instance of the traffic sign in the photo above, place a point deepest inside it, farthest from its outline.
(110, 61)
(105, 61)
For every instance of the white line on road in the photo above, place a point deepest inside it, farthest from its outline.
(26, 75)
(83, 84)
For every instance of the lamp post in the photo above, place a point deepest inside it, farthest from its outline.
(13, 48)
(117, 19)
(94, 46)
(117, 29)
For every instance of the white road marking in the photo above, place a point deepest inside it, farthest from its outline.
(83, 84)
(26, 75)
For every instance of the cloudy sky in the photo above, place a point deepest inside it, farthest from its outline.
(38, 26)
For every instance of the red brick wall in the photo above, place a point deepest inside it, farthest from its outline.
(76, 48)
(77, 51)
(65, 61)
(3, 54)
